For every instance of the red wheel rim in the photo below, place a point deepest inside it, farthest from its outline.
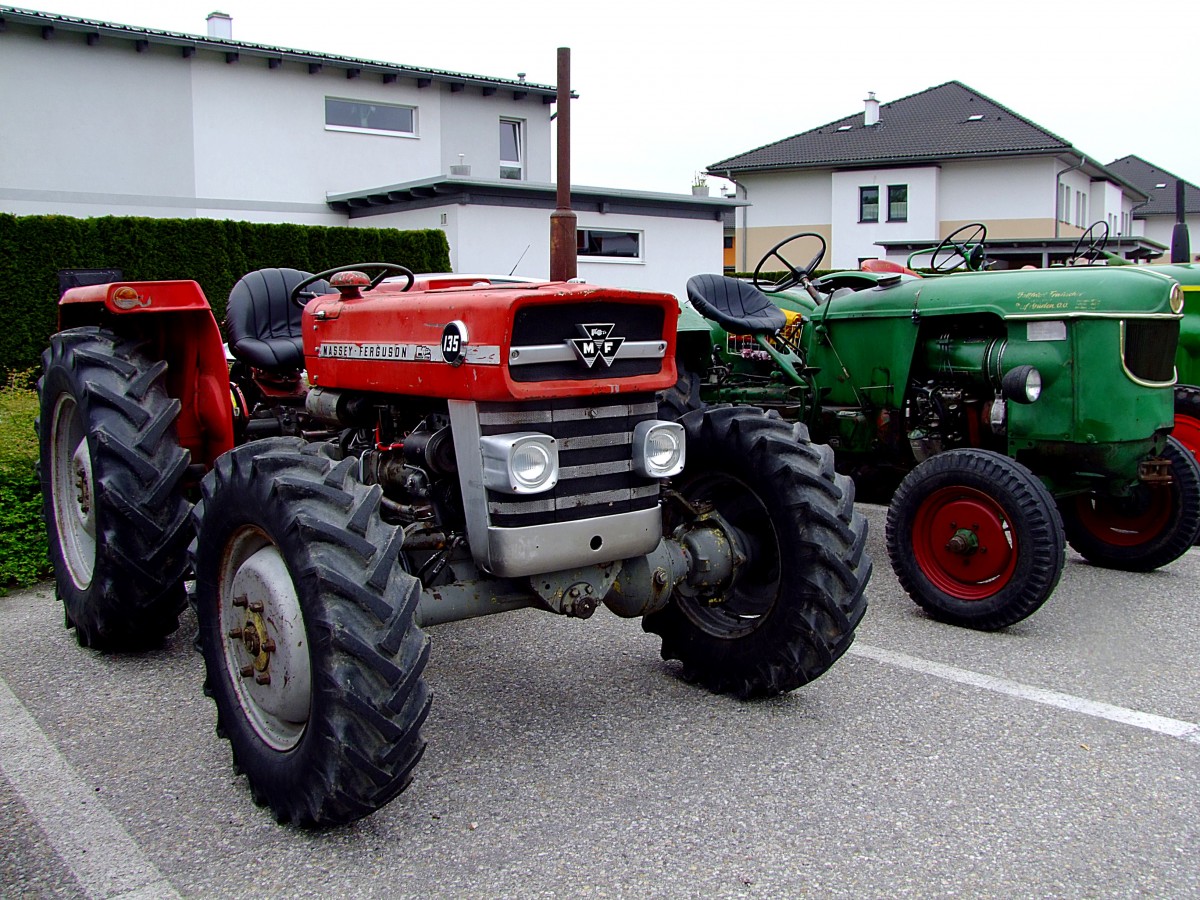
(1126, 522)
(1187, 432)
(963, 541)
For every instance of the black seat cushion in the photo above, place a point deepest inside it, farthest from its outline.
(262, 325)
(737, 306)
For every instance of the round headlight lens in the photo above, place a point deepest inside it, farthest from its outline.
(1022, 384)
(530, 464)
(1176, 299)
(662, 449)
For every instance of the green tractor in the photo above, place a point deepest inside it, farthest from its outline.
(1018, 410)
(1089, 251)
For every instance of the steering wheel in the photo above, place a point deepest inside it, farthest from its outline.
(300, 297)
(795, 275)
(1091, 245)
(968, 249)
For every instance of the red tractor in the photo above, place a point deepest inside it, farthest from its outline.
(370, 461)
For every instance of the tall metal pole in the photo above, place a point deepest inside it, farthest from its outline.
(1181, 250)
(564, 264)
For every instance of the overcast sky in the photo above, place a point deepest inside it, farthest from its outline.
(665, 89)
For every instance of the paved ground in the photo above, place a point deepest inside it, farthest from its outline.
(1058, 758)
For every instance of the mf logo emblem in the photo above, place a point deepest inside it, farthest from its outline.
(597, 343)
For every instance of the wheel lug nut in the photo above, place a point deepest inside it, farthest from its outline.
(240, 600)
(255, 606)
(235, 633)
(268, 645)
(262, 677)
(247, 671)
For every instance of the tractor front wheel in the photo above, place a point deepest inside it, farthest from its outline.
(311, 650)
(975, 539)
(112, 477)
(1187, 417)
(788, 609)
(1144, 531)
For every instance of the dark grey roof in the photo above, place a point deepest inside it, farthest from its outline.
(934, 124)
(1147, 178)
(189, 43)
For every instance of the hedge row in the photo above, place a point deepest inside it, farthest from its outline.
(23, 557)
(216, 253)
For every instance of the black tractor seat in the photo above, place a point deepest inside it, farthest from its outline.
(737, 306)
(262, 325)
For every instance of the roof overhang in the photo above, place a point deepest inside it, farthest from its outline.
(451, 190)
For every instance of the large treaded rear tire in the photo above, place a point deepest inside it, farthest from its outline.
(112, 476)
(791, 610)
(968, 495)
(334, 732)
(1144, 532)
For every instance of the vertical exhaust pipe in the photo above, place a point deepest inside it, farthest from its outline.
(564, 264)
(1181, 250)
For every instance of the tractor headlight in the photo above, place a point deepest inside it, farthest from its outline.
(525, 463)
(1176, 299)
(1022, 384)
(658, 449)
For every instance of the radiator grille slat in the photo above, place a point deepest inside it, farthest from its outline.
(1150, 348)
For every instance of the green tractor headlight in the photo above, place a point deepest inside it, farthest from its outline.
(1022, 384)
(1176, 299)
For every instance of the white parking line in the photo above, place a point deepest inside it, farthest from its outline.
(1187, 731)
(102, 856)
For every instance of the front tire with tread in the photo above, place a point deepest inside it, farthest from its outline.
(340, 589)
(791, 610)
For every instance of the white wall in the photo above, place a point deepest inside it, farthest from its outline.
(491, 239)
(979, 191)
(854, 240)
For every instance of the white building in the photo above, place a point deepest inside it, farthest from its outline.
(903, 175)
(109, 119)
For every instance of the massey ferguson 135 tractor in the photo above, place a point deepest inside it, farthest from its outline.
(1022, 407)
(378, 460)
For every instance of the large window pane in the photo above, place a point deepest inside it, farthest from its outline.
(612, 244)
(371, 116)
(897, 202)
(868, 204)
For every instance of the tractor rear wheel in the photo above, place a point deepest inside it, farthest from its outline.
(975, 539)
(1187, 417)
(789, 609)
(306, 620)
(677, 401)
(1152, 527)
(112, 476)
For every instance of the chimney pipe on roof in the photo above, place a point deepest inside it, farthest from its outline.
(871, 114)
(220, 25)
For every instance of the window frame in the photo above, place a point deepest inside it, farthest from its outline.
(519, 163)
(358, 129)
(863, 189)
(890, 217)
(640, 235)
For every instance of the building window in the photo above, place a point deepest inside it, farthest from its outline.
(868, 204)
(897, 202)
(729, 242)
(1064, 203)
(512, 155)
(372, 118)
(604, 244)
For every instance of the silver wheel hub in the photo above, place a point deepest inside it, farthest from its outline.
(73, 490)
(265, 642)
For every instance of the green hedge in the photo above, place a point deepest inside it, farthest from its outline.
(23, 557)
(216, 253)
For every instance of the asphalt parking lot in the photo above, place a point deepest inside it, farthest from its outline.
(1058, 758)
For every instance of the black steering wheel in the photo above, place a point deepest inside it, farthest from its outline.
(1091, 245)
(300, 297)
(960, 250)
(795, 275)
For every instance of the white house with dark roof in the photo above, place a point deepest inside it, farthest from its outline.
(904, 174)
(109, 119)
(1156, 217)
